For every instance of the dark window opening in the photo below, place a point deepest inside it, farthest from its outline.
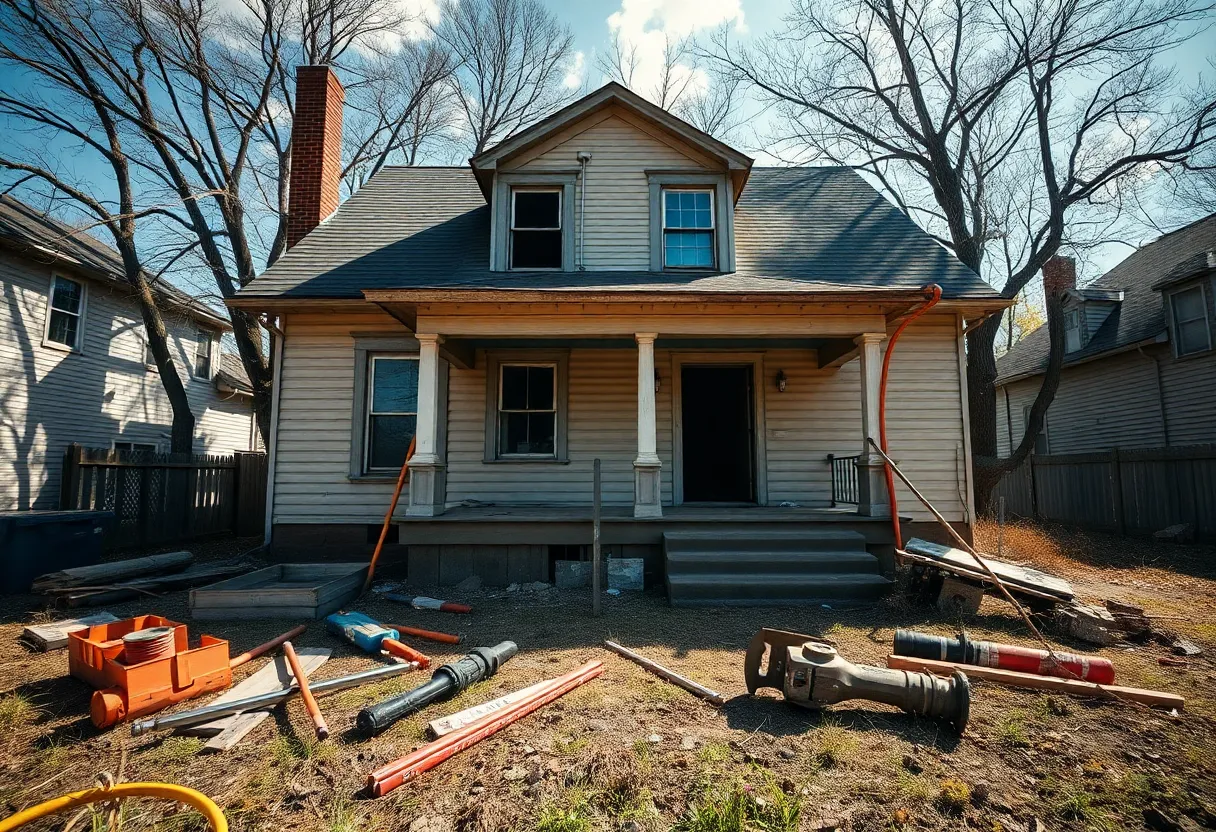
(392, 413)
(536, 230)
(527, 410)
(718, 434)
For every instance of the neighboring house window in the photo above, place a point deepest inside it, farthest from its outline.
(135, 446)
(65, 313)
(1041, 445)
(149, 358)
(202, 354)
(527, 410)
(1191, 331)
(392, 412)
(1072, 330)
(688, 229)
(536, 229)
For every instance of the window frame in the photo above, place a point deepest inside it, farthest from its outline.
(713, 225)
(502, 212)
(498, 405)
(390, 344)
(1044, 434)
(1078, 320)
(511, 229)
(724, 217)
(1174, 322)
(210, 370)
(369, 412)
(47, 341)
(560, 360)
(147, 347)
(147, 447)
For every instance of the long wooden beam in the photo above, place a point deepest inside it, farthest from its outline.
(1030, 680)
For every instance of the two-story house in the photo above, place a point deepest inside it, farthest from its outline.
(1139, 359)
(609, 283)
(75, 365)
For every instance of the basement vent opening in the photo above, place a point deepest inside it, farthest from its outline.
(373, 533)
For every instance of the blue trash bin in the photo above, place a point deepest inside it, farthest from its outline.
(33, 543)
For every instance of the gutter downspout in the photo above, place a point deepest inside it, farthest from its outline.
(1165, 424)
(933, 294)
(584, 158)
(278, 339)
(1008, 418)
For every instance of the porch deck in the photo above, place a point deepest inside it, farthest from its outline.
(516, 513)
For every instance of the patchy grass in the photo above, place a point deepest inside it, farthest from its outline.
(563, 819)
(741, 808)
(342, 816)
(953, 796)
(714, 753)
(16, 711)
(287, 750)
(1011, 730)
(172, 751)
(833, 745)
(568, 744)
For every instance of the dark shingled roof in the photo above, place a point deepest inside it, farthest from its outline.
(1139, 317)
(796, 230)
(47, 240)
(232, 372)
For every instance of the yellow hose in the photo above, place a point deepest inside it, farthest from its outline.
(166, 791)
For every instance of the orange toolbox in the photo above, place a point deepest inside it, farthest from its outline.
(143, 664)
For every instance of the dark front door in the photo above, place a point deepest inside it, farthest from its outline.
(718, 434)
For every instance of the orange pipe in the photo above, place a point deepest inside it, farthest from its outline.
(310, 704)
(265, 648)
(388, 518)
(386, 778)
(396, 648)
(933, 294)
(431, 635)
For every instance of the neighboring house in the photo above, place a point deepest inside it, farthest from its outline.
(74, 362)
(608, 284)
(1139, 364)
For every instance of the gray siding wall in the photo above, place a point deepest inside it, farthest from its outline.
(820, 413)
(50, 398)
(618, 194)
(1189, 387)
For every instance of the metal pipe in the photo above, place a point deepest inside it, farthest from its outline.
(657, 669)
(264, 701)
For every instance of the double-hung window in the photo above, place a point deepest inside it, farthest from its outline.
(1192, 333)
(142, 447)
(527, 411)
(688, 229)
(149, 357)
(202, 354)
(1072, 330)
(65, 313)
(536, 228)
(391, 412)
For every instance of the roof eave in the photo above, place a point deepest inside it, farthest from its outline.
(1001, 381)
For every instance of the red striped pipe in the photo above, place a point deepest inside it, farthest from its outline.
(1005, 656)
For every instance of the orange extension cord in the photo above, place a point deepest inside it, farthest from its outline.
(388, 518)
(933, 294)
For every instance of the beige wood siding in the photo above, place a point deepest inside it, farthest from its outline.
(618, 194)
(820, 413)
(1189, 387)
(1110, 402)
(50, 398)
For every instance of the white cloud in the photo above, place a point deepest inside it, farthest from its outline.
(646, 28)
(574, 74)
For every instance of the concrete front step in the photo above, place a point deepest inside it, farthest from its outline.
(734, 562)
(755, 590)
(770, 540)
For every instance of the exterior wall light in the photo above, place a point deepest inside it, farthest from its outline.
(657, 380)
(781, 381)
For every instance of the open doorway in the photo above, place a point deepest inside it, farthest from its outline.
(719, 434)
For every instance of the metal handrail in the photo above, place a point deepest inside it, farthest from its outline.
(844, 479)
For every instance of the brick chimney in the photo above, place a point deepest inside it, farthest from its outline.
(316, 150)
(1059, 274)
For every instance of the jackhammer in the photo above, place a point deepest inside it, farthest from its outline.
(811, 674)
(446, 682)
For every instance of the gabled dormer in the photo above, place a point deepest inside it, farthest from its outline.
(1188, 292)
(1085, 310)
(612, 183)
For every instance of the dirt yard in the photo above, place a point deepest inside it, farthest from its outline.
(630, 752)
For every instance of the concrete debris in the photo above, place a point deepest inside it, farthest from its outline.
(1129, 618)
(514, 773)
(513, 588)
(625, 573)
(537, 586)
(787, 753)
(572, 574)
(613, 592)
(1186, 647)
(469, 584)
(688, 742)
(1177, 533)
(958, 596)
(1085, 622)
(654, 739)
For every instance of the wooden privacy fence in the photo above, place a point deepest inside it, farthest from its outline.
(165, 498)
(1126, 491)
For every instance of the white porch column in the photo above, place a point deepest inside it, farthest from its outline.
(871, 477)
(426, 467)
(647, 500)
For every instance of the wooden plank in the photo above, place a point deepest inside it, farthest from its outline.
(54, 636)
(145, 587)
(1030, 680)
(949, 558)
(108, 573)
(448, 724)
(227, 732)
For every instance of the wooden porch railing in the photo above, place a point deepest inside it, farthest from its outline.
(844, 479)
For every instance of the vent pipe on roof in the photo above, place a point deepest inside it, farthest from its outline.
(316, 150)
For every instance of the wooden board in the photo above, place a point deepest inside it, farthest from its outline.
(54, 636)
(1011, 575)
(448, 724)
(147, 587)
(275, 675)
(288, 590)
(109, 573)
(1029, 680)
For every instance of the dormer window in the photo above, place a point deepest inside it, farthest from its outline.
(688, 229)
(536, 228)
(1190, 313)
(1072, 330)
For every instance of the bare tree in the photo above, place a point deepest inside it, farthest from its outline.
(941, 101)
(510, 59)
(41, 43)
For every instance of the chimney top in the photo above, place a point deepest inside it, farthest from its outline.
(1059, 275)
(316, 150)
